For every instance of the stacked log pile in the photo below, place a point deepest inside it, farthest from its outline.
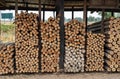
(7, 52)
(74, 46)
(95, 52)
(50, 45)
(26, 44)
(112, 43)
(112, 52)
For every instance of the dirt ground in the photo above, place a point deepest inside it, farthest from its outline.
(65, 76)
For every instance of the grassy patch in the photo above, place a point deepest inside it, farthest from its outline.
(7, 28)
(7, 32)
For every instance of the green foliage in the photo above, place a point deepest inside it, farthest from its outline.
(93, 19)
(7, 28)
(106, 14)
(79, 19)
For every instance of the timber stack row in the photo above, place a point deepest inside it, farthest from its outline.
(7, 52)
(95, 52)
(26, 43)
(74, 46)
(26, 56)
(50, 34)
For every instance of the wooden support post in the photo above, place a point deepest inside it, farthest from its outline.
(85, 12)
(60, 14)
(16, 12)
(54, 14)
(112, 14)
(16, 7)
(26, 6)
(118, 2)
(85, 22)
(43, 13)
(103, 16)
(0, 24)
(72, 13)
(39, 27)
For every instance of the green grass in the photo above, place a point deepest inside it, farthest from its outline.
(7, 32)
(7, 28)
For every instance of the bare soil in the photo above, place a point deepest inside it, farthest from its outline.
(65, 76)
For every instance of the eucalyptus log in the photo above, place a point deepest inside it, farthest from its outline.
(26, 43)
(74, 46)
(50, 34)
(7, 52)
(95, 52)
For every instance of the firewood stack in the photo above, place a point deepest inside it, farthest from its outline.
(112, 52)
(7, 52)
(95, 52)
(50, 45)
(74, 46)
(26, 44)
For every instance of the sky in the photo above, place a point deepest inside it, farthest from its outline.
(50, 13)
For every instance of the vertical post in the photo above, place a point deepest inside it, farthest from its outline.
(27, 6)
(43, 13)
(54, 14)
(16, 7)
(112, 13)
(60, 14)
(85, 22)
(72, 13)
(0, 25)
(103, 16)
(39, 34)
(16, 12)
(85, 13)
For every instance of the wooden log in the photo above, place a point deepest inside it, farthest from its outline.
(50, 34)
(26, 43)
(7, 52)
(95, 52)
(74, 46)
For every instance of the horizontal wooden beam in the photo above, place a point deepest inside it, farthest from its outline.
(2, 2)
(65, 9)
(66, 5)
